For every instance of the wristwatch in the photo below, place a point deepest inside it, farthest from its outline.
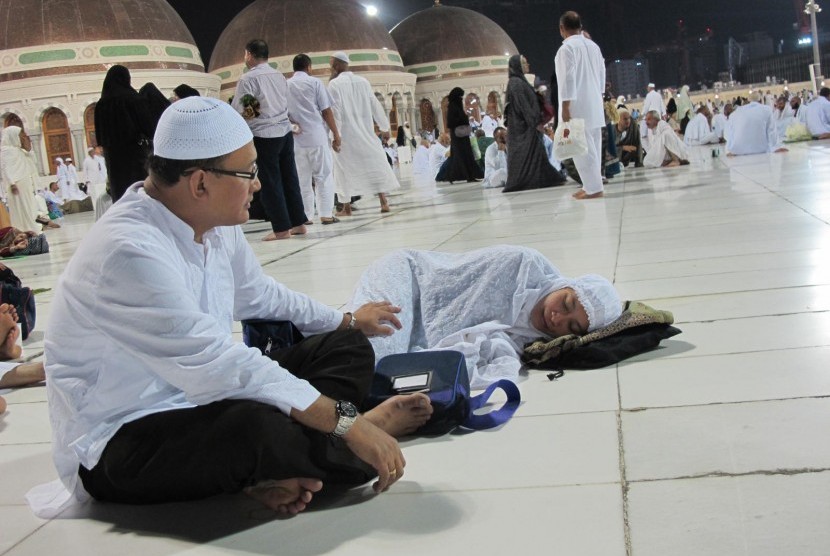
(346, 416)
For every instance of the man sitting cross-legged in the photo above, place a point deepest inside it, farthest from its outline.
(151, 398)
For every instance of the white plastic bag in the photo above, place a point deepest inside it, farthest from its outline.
(569, 139)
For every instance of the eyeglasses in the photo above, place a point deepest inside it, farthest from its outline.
(235, 173)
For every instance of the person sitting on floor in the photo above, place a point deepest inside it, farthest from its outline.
(485, 303)
(629, 143)
(152, 400)
(699, 129)
(495, 160)
(818, 115)
(662, 145)
(751, 129)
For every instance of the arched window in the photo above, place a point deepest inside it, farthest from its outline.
(427, 115)
(56, 136)
(89, 126)
(11, 119)
(472, 106)
(394, 119)
(494, 103)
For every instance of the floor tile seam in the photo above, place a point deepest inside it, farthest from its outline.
(758, 290)
(715, 257)
(566, 414)
(711, 404)
(49, 443)
(502, 489)
(11, 402)
(27, 537)
(690, 356)
(726, 274)
(782, 197)
(766, 315)
(737, 474)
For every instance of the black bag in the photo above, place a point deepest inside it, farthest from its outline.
(613, 349)
(270, 336)
(442, 375)
(22, 298)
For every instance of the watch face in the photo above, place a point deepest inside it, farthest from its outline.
(346, 409)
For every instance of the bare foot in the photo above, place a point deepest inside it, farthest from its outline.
(288, 497)
(273, 236)
(401, 415)
(2, 405)
(672, 164)
(22, 375)
(385, 209)
(785, 150)
(298, 230)
(580, 195)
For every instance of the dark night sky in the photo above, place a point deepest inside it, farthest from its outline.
(620, 27)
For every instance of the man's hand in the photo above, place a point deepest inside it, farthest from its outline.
(373, 318)
(335, 144)
(378, 449)
(566, 111)
(14, 189)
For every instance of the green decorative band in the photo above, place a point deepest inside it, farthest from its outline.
(224, 75)
(47, 56)
(424, 69)
(178, 52)
(499, 62)
(463, 65)
(315, 60)
(364, 57)
(132, 50)
(395, 58)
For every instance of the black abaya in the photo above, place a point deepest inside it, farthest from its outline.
(528, 166)
(462, 162)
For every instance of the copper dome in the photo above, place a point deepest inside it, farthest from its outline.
(27, 23)
(294, 26)
(442, 33)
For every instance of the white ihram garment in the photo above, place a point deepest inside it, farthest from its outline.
(659, 143)
(495, 167)
(698, 132)
(751, 130)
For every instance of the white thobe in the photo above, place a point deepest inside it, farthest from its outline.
(659, 143)
(437, 156)
(800, 115)
(102, 167)
(63, 181)
(92, 173)
(580, 74)
(818, 116)
(495, 167)
(488, 125)
(654, 101)
(719, 124)
(142, 322)
(698, 132)
(420, 161)
(751, 130)
(360, 168)
(783, 119)
(73, 193)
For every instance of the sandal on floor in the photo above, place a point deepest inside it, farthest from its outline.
(334, 220)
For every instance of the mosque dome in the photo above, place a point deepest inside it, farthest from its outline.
(447, 33)
(314, 27)
(43, 39)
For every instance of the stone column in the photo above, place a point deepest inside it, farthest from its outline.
(37, 150)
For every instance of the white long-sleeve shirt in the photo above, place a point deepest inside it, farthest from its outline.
(818, 116)
(751, 130)
(141, 323)
(654, 101)
(580, 74)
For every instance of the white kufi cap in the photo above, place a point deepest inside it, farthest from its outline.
(340, 55)
(600, 299)
(196, 128)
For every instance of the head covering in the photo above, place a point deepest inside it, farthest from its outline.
(456, 94)
(600, 299)
(342, 56)
(196, 128)
(16, 161)
(117, 83)
(59, 160)
(185, 91)
(514, 67)
(69, 159)
(651, 85)
(90, 149)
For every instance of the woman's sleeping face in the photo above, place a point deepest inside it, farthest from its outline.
(560, 313)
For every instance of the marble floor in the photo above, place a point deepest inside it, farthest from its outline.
(717, 443)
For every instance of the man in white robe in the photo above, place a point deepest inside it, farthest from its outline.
(488, 125)
(799, 110)
(751, 129)
(420, 160)
(719, 120)
(73, 192)
(495, 160)
(438, 153)
(62, 178)
(95, 182)
(698, 131)
(818, 115)
(309, 106)
(102, 164)
(782, 114)
(360, 168)
(662, 145)
(653, 101)
(580, 73)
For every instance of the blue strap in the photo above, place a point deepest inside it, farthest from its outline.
(498, 416)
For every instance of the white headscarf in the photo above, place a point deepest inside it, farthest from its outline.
(16, 162)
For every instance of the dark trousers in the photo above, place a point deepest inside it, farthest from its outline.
(280, 194)
(225, 446)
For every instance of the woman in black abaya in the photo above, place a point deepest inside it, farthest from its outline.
(527, 162)
(124, 128)
(462, 162)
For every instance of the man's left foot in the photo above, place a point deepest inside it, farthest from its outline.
(580, 195)
(299, 230)
(287, 497)
(401, 415)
